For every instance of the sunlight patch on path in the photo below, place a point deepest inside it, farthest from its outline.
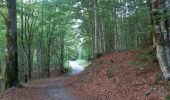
(76, 68)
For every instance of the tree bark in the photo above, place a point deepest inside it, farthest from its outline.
(48, 60)
(161, 34)
(11, 57)
(96, 48)
(62, 53)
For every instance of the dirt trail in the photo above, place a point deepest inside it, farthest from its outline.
(54, 88)
(49, 89)
(46, 89)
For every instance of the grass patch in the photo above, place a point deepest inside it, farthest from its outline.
(143, 57)
(137, 65)
(111, 71)
(147, 54)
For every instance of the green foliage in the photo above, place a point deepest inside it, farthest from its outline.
(67, 67)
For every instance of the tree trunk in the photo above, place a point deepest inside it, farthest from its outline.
(96, 48)
(29, 56)
(161, 34)
(39, 58)
(62, 53)
(11, 57)
(48, 57)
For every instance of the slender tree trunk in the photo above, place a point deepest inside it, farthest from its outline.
(93, 40)
(62, 53)
(48, 60)
(114, 16)
(29, 56)
(100, 36)
(39, 58)
(11, 57)
(96, 48)
(22, 42)
(40, 42)
(103, 37)
(48, 57)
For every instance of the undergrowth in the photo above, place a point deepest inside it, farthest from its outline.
(111, 72)
(145, 55)
(167, 88)
(67, 69)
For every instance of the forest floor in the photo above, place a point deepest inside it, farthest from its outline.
(126, 75)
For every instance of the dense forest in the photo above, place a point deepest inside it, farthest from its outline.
(40, 36)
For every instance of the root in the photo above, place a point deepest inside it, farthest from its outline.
(152, 85)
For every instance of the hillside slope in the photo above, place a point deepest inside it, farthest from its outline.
(124, 75)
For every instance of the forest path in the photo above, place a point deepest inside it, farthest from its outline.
(54, 89)
(45, 89)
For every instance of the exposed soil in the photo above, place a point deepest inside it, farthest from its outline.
(116, 76)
